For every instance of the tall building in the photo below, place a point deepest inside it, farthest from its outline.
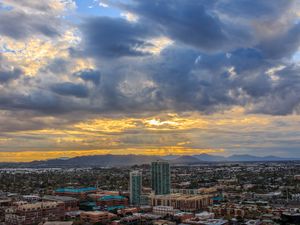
(135, 187)
(160, 175)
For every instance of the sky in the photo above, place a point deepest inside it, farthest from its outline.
(155, 77)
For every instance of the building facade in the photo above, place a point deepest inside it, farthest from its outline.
(96, 217)
(28, 214)
(112, 202)
(188, 203)
(135, 187)
(70, 203)
(160, 177)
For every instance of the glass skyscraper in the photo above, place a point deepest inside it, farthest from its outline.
(160, 177)
(135, 187)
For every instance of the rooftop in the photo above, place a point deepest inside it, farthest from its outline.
(112, 197)
(75, 190)
(38, 205)
(59, 198)
(58, 223)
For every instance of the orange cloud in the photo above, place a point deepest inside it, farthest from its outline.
(28, 156)
(166, 133)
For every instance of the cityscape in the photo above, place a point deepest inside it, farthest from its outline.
(149, 112)
(220, 193)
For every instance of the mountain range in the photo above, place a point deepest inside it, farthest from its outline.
(129, 160)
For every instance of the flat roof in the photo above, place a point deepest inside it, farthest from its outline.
(59, 223)
(75, 190)
(59, 198)
(112, 197)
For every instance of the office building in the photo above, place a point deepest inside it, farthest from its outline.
(160, 177)
(135, 187)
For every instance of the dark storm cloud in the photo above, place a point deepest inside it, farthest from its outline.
(114, 37)
(70, 89)
(254, 9)
(283, 98)
(36, 101)
(8, 75)
(44, 102)
(208, 83)
(89, 75)
(7, 72)
(202, 24)
(28, 18)
(57, 66)
(282, 45)
(215, 62)
(189, 81)
(186, 21)
(19, 25)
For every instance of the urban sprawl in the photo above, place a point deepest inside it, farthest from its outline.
(257, 193)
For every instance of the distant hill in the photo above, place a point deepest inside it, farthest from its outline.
(130, 160)
(210, 158)
(185, 160)
(243, 158)
(96, 161)
(170, 157)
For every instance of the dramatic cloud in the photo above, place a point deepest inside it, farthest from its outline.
(186, 21)
(6, 76)
(26, 25)
(71, 89)
(249, 9)
(138, 74)
(7, 71)
(23, 19)
(89, 75)
(111, 37)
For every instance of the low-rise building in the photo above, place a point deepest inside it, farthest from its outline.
(127, 211)
(197, 221)
(4, 204)
(111, 201)
(28, 214)
(181, 216)
(80, 193)
(95, 217)
(70, 203)
(165, 210)
(231, 210)
(205, 215)
(164, 222)
(59, 223)
(190, 203)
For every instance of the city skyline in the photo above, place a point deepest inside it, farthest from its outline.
(176, 77)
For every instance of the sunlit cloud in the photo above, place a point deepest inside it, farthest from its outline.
(104, 5)
(156, 45)
(41, 7)
(148, 77)
(35, 53)
(130, 16)
(42, 155)
(167, 133)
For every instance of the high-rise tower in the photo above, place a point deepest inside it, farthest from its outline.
(160, 176)
(135, 187)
